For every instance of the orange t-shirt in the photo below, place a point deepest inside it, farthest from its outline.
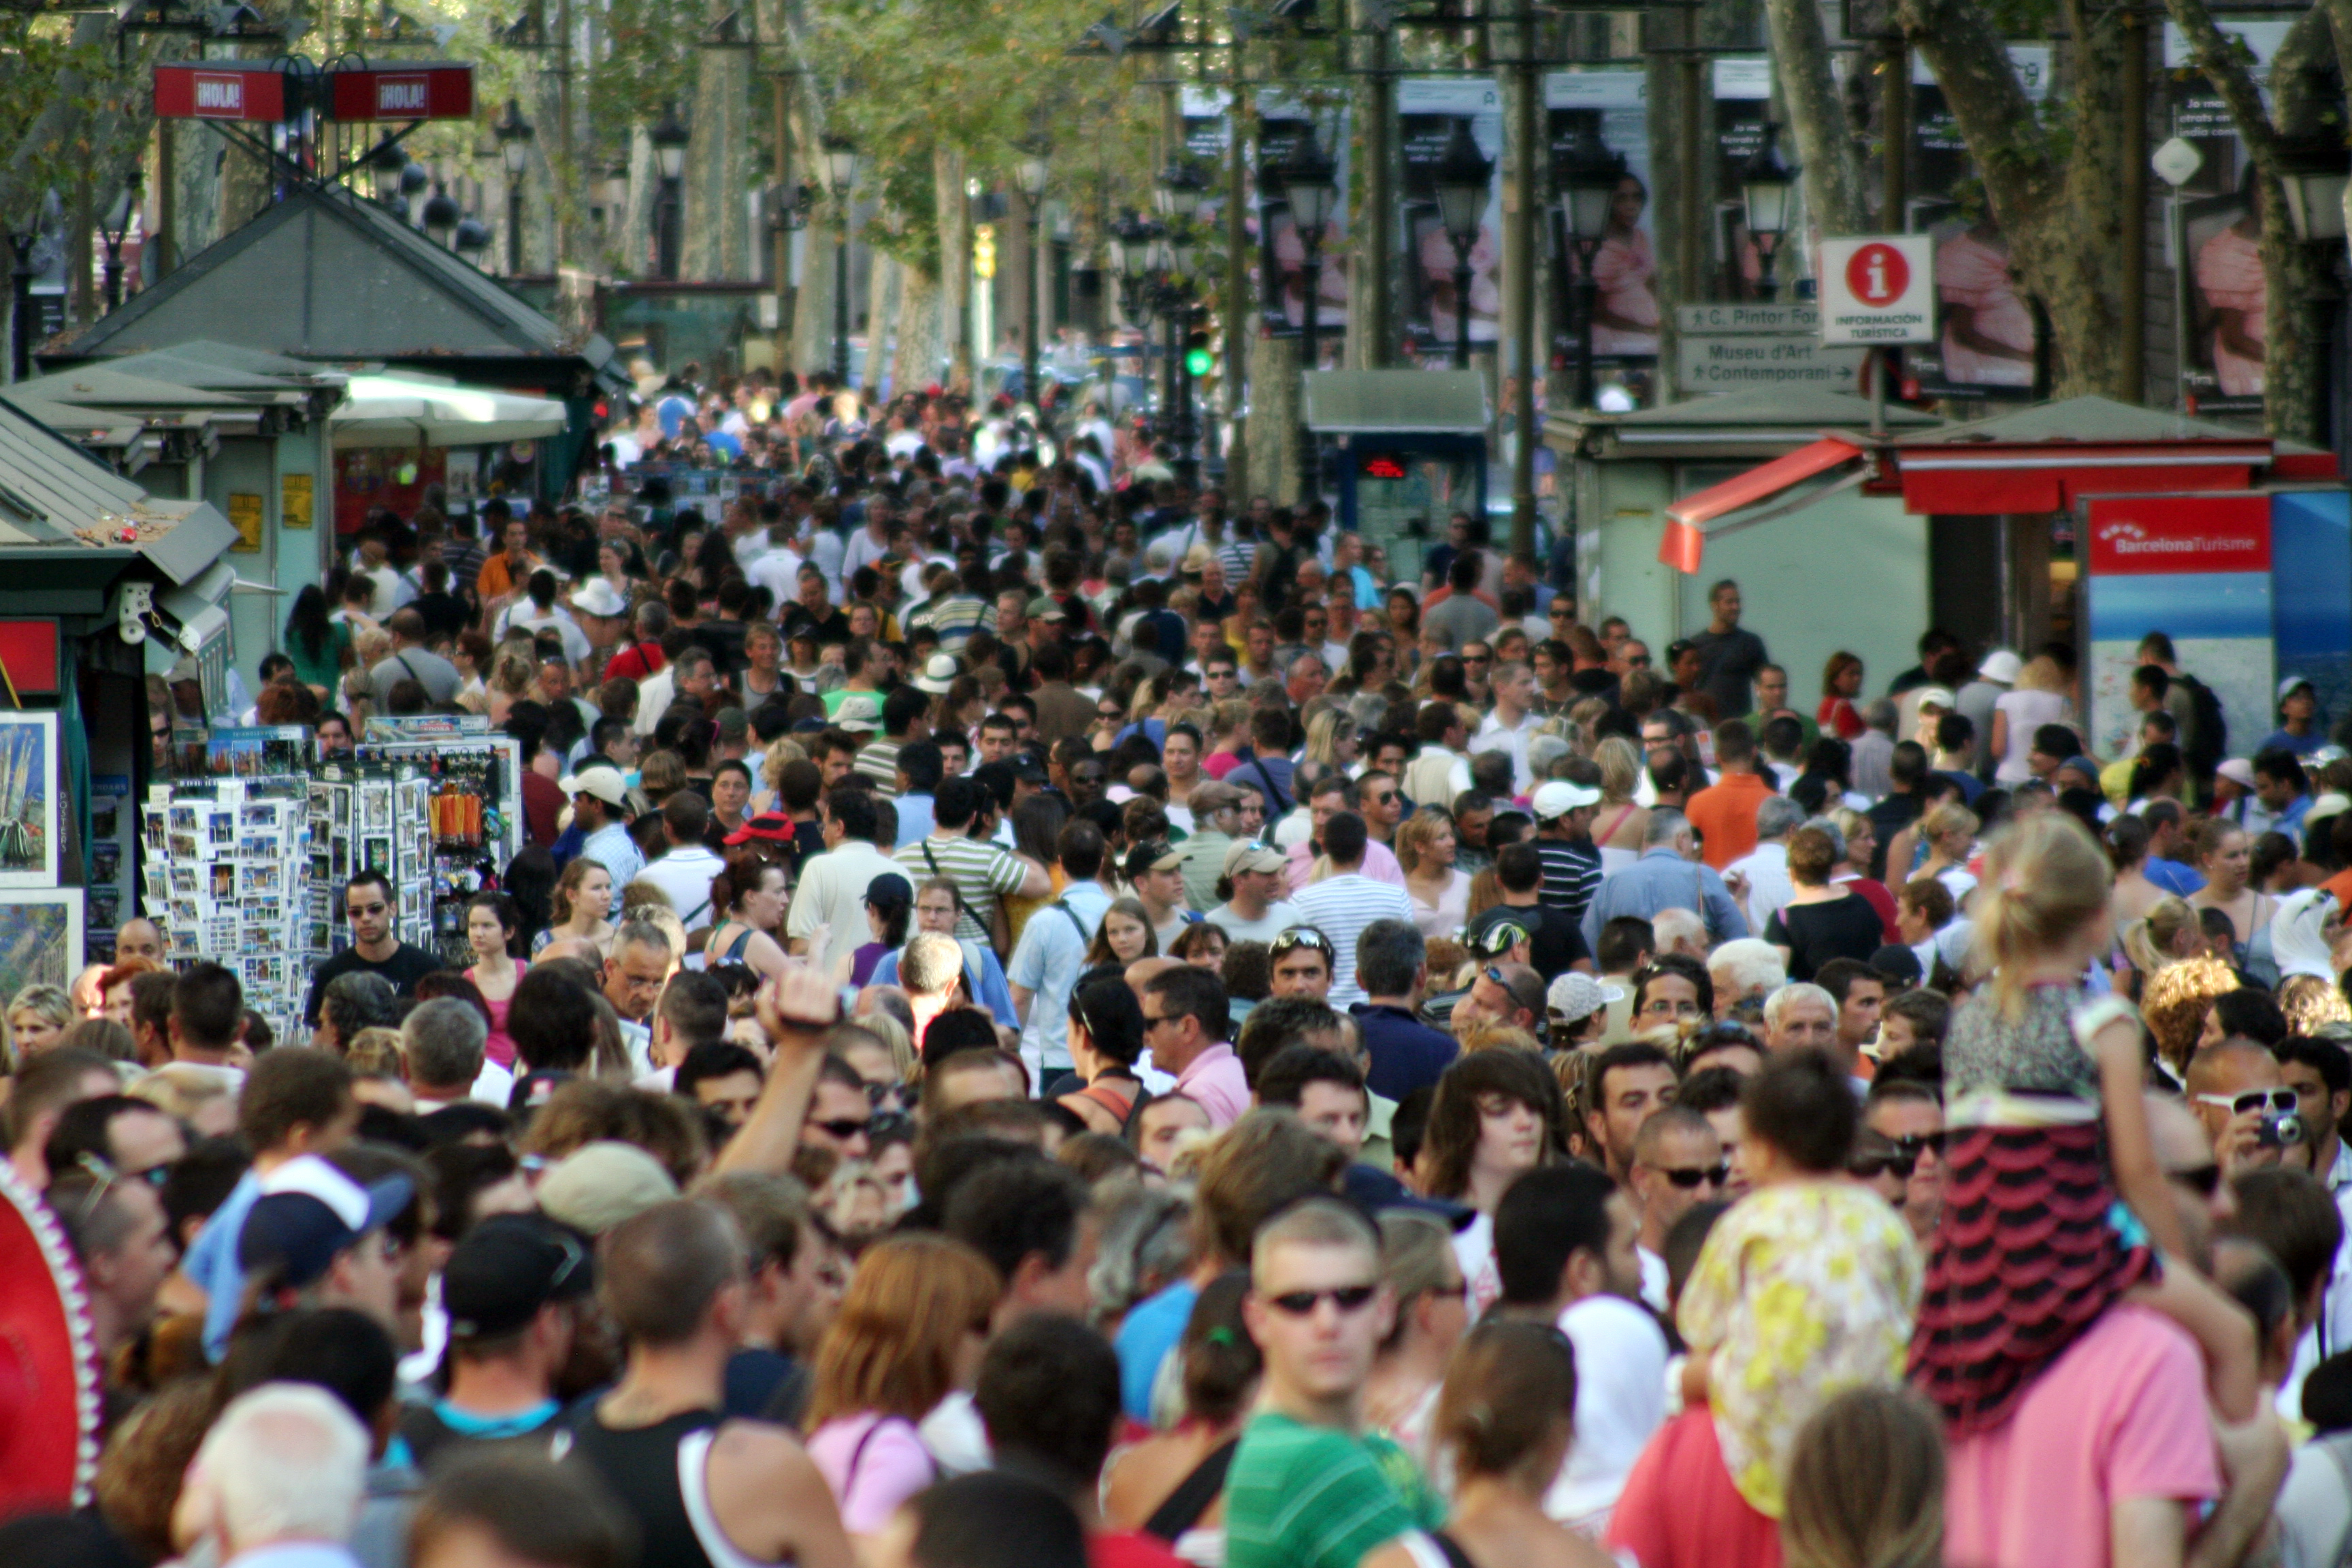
(1724, 815)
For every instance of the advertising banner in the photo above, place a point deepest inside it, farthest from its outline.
(1984, 346)
(1616, 104)
(2311, 609)
(2216, 237)
(1282, 260)
(1743, 95)
(1427, 111)
(2198, 568)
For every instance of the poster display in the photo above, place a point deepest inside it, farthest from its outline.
(1615, 105)
(1427, 111)
(41, 937)
(1985, 338)
(2216, 234)
(225, 875)
(113, 822)
(28, 800)
(1282, 259)
(2197, 567)
(1743, 94)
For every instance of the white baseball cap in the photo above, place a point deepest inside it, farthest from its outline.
(1559, 797)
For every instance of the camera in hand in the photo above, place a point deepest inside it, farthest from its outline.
(2280, 1131)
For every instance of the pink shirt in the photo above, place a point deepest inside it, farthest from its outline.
(2121, 1415)
(873, 1463)
(1214, 1079)
(1379, 863)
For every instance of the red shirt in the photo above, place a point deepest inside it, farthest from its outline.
(635, 662)
(543, 800)
(1130, 1549)
(1679, 1509)
(1724, 815)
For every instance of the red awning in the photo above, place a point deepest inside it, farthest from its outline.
(1955, 479)
(1687, 519)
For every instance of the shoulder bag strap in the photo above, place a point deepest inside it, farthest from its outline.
(1193, 1494)
(1454, 1556)
(1077, 924)
(1278, 802)
(931, 860)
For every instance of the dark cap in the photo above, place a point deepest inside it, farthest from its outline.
(1498, 937)
(309, 1211)
(507, 1268)
(890, 889)
(1157, 856)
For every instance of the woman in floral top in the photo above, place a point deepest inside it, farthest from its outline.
(1804, 1290)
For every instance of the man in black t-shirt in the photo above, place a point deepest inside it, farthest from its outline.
(368, 905)
(1555, 939)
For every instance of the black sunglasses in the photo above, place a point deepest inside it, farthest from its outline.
(2203, 1180)
(1687, 1176)
(843, 1127)
(1302, 1303)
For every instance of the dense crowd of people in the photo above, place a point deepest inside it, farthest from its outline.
(1047, 1018)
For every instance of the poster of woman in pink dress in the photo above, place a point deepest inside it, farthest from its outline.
(1624, 274)
(1988, 334)
(2229, 291)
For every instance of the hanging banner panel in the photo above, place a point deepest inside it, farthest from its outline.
(1616, 104)
(1282, 259)
(1743, 93)
(2216, 234)
(1427, 113)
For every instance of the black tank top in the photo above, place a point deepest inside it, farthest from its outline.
(638, 1466)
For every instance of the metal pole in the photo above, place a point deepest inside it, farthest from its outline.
(1029, 300)
(1463, 277)
(1519, 274)
(514, 226)
(167, 199)
(113, 271)
(1311, 477)
(1698, 174)
(666, 226)
(779, 91)
(1588, 295)
(841, 301)
(1379, 207)
(1237, 300)
(1894, 110)
(2131, 282)
(569, 169)
(20, 319)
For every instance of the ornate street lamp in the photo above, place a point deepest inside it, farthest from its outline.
(670, 137)
(1587, 178)
(1311, 188)
(385, 163)
(1032, 172)
(515, 134)
(1463, 176)
(441, 215)
(472, 238)
(115, 227)
(1767, 187)
(841, 179)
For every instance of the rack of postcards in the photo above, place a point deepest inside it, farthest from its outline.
(227, 871)
(436, 805)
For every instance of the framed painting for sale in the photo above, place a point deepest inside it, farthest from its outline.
(40, 937)
(29, 839)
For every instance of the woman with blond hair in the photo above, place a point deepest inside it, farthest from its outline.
(1440, 889)
(512, 678)
(1949, 832)
(2174, 1001)
(2169, 932)
(1619, 822)
(37, 1018)
(910, 1334)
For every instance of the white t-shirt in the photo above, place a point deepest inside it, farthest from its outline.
(1280, 915)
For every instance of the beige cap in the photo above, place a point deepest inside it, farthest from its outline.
(598, 1185)
(1251, 856)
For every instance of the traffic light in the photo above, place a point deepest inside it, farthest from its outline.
(1200, 360)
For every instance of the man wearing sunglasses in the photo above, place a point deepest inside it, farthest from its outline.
(1318, 1311)
(1911, 1119)
(1678, 1165)
(2236, 1087)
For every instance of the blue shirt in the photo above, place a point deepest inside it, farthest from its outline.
(1149, 1333)
(983, 976)
(212, 1262)
(915, 819)
(1406, 1053)
(1048, 962)
(2300, 745)
(612, 848)
(2173, 877)
(1662, 880)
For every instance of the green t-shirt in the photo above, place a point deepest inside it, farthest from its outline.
(1309, 1497)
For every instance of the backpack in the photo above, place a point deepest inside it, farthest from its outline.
(2212, 737)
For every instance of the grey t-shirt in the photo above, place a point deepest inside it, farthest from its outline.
(437, 675)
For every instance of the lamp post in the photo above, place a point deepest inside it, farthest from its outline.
(115, 227)
(471, 240)
(1032, 172)
(412, 181)
(841, 179)
(1766, 185)
(386, 161)
(441, 215)
(670, 137)
(514, 134)
(1462, 176)
(1183, 185)
(1587, 177)
(20, 315)
(1311, 188)
(2313, 171)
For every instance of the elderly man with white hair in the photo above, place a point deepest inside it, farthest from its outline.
(1742, 970)
(931, 971)
(277, 1482)
(1679, 931)
(1803, 1016)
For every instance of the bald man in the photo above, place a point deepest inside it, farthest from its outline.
(2234, 1087)
(138, 939)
